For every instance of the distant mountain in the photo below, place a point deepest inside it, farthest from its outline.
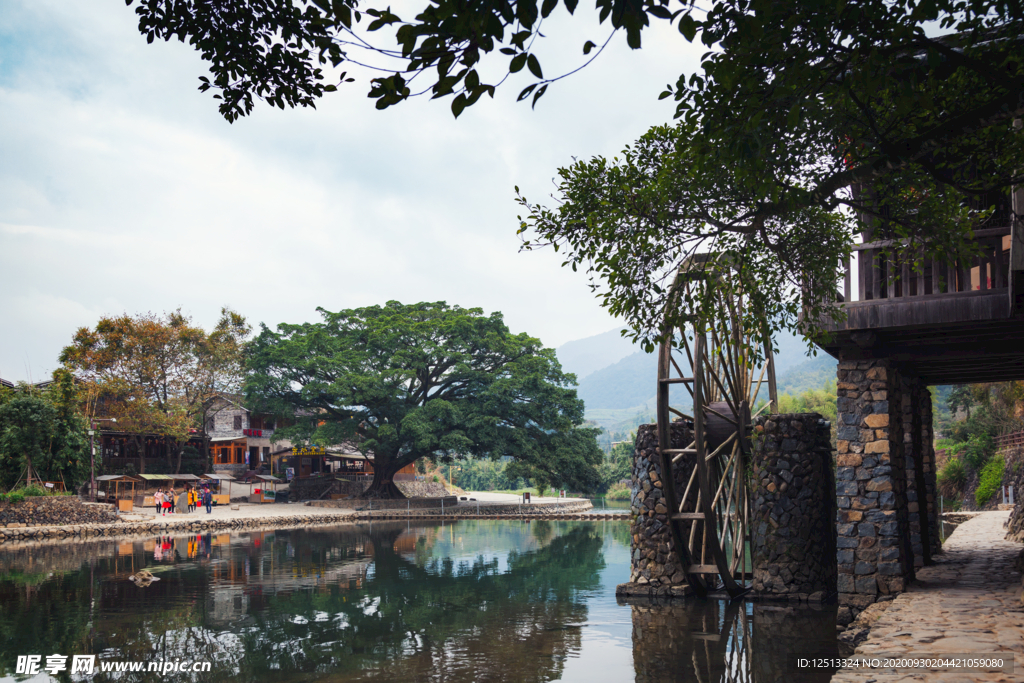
(585, 356)
(624, 384)
(616, 393)
(811, 373)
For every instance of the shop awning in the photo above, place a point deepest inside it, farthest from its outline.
(167, 477)
(227, 438)
(218, 476)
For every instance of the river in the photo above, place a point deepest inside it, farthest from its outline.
(463, 601)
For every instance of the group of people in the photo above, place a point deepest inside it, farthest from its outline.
(165, 500)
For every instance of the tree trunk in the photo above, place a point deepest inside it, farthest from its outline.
(383, 484)
(181, 449)
(140, 444)
(167, 452)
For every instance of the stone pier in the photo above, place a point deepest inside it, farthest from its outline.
(885, 472)
(793, 537)
(654, 564)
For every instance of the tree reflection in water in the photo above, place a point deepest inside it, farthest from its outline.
(474, 600)
(351, 604)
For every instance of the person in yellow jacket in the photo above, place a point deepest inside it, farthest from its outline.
(192, 499)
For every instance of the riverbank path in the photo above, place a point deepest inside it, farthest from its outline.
(968, 602)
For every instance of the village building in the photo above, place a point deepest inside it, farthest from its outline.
(240, 440)
(343, 460)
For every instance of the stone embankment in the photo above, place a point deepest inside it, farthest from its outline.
(53, 510)
(568, 510)
(162, 526)
(321, 488)
(256, 519)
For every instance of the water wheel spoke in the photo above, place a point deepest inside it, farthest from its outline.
(711, 518)
(680, 413)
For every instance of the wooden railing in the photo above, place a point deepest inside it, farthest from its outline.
(882, 275)
(1009, 442)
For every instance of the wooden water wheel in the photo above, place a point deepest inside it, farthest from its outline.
(709, 516)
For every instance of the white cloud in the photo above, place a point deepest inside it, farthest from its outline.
(121, 188)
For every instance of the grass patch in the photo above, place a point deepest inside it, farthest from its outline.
(952, 477)
(991, 480)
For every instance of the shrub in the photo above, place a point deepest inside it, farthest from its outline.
(437, 479)
(952, 477)
(991, 481)
(35, 490)
(15, 497)
(977, 450)
(619, 492)
(542, 490)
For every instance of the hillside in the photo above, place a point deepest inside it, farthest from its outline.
(624, 384)
(810, 373)
(621, 394)
(585, 356)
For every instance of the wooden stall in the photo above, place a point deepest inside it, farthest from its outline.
(117, 489)
(267, 491)
(217, 482)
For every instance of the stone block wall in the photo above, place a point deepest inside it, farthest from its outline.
(54, 510)
(874, 545)
(654, 561)
(920, 466)
(931, 497)
(911, 416)
(793, 539)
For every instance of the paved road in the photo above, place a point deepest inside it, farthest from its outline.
(969, 602)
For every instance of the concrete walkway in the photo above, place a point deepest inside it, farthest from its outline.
(969, 602)
(244, 511)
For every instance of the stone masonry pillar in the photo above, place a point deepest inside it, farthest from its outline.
(928, 467)
(793, 537)
(654, 567)
(916, 506)
(874, 546)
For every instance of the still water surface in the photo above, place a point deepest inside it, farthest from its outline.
(465, 601)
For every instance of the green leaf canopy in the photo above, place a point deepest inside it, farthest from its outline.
(410, 381)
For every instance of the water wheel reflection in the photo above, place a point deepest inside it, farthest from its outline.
(717, 641)
(702, 641)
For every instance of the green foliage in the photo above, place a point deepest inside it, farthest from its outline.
(12, 497)
(436, 479)
(42, 430)
(425, 380)
(619, 492)
(952, 477)
(991, 481)
(976, 451)
(542, 490)
(821, 401)
(487, 475)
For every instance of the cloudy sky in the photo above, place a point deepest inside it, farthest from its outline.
(123, 190)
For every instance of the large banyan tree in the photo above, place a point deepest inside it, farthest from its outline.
(406, 382)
